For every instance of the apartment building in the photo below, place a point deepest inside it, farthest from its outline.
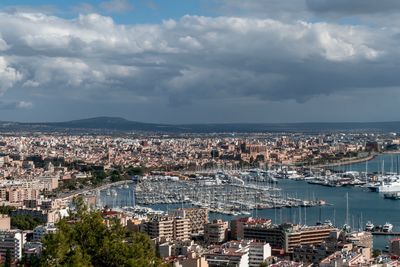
(296, 235)
(198, 217)
(5, 222)
(12, 241)
(215, 232)
(238, 226)
(258, 253)
(175, 228)
(245, 253)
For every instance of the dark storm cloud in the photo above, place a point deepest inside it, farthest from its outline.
(6, 105)
(191, 59)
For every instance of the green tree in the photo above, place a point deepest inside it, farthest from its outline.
(6, 209)
(84, 240)
(376, 253)
(135, 170)
(25, 222)
(8, 260)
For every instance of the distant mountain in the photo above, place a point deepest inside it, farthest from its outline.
(121, 124)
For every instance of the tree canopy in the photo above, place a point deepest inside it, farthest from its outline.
(25, 222)
(84, 240)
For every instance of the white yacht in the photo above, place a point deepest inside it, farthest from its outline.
(369, 226)
(387, 227)
(386, 187)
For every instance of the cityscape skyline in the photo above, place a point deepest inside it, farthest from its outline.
(199, 62)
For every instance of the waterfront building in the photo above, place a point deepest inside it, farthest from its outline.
(295, 235)
(238, 226)
(175, 228)
(261, 230)
(394, 246)
(287, 236)
(215, 232)
(198, 218)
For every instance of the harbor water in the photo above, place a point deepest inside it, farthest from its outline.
(363, 205)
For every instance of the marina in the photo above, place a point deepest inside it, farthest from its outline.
(266, 199)
(219, 192)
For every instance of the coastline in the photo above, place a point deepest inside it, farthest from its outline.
(355, 160)
(348, 162)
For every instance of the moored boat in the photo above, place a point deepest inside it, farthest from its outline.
(369, 226)
(387, 227)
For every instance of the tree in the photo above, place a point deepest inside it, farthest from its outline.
(376, 253)
(135, 170)
(85, 240)
(6, 209)
(25, 222)
(8, 260)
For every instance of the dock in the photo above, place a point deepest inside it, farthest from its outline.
(386, 233)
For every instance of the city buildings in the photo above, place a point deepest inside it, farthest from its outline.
(12, 241)
(215, 232)
(243, 253)
(175, 228)
(197, 217)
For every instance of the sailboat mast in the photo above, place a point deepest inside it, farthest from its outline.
(347, 208)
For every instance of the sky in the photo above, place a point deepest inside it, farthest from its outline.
(200, 61)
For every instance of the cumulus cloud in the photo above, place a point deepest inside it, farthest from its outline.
(195, 57)
(8, 76)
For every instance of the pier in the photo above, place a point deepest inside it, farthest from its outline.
(386, 233)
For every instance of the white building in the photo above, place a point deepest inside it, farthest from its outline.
(258, 253)
(13, 241)
(246, 253)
